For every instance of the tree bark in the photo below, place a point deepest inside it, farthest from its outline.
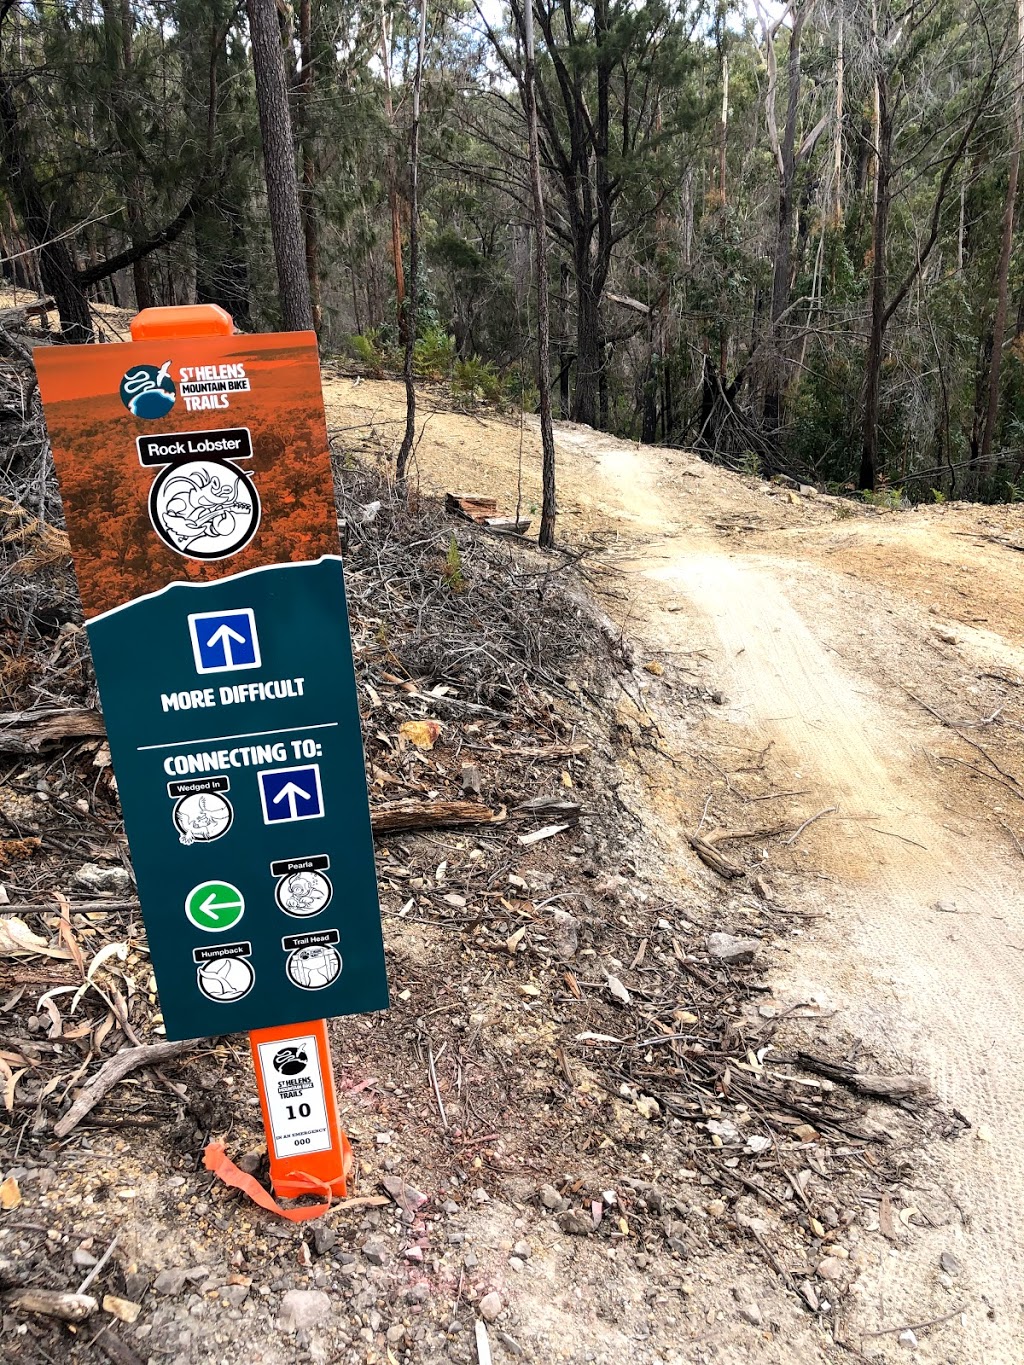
(1005, 252)
(391, 175)
(546, 536)
(279, 162)
(879, 235)
(412, 305)
(307, 201)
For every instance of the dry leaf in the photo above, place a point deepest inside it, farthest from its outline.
(513, 941)
(618, 991)
(655, 668)
(423, 733)
(16, 937)
(10, 1194)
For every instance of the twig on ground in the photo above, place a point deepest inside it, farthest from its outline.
(829, 810)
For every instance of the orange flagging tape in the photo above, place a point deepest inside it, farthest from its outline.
(216, 1159)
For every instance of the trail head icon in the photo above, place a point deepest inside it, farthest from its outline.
(314, 968)
(224, 641)
(214, 906)
(291, 794)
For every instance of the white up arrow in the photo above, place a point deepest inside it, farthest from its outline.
(291, 791)
(223, 636)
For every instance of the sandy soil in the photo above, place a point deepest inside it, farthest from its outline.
(846, 641)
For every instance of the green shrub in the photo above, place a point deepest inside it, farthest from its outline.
(476, 381)
(433, 355)
(366, 351)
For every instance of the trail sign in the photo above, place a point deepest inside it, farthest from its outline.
(199, 500)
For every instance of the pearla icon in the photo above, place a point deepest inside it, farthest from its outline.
(304, 893)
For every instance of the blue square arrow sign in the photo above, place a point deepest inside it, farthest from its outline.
(223, 641)
(291, 794)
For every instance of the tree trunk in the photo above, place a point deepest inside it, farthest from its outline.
(876, 334)
(588, 347)
(391, 175)
(405, 450)
(564, 354)
(546, 536)
(279, 162)
(307, 202)
(57, 266)
(1005, 252)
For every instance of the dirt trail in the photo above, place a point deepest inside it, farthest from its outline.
(824, 629)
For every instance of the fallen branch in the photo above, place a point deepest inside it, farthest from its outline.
(403, 815)
(25, 732)
(829, 810)
(916, 1326)
(51, 1303)
(113, 1071)
(708, 854)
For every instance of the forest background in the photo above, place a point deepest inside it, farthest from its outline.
(785, 236)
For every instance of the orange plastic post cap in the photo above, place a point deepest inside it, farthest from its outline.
(186, 320)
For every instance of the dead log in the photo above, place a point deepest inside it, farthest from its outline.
(474, 506)
(557, 806)
(113, 1071)
(51, 1303)
(507, 526)
(710, 855)
(403, 815)
(26, 732)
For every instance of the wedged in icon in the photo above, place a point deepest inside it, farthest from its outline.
(199, 819)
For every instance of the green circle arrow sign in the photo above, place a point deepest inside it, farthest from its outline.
(213, 906)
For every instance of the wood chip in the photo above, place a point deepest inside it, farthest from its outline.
(548, 832)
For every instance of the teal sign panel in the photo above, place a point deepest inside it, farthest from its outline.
(234, 731)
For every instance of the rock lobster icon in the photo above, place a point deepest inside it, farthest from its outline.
(205, 509)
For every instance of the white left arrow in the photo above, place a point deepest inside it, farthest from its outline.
(289, 793)
(223, 636)
(207, 907)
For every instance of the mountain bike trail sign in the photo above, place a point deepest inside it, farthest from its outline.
(199, 500)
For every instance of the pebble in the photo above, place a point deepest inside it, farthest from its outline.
(949, 1263)
(750, 1312)
(83, 1259)
(831, 1268)
(517, 1263)
(418, 1293)
(323, 1239)
(449, 1206)
(729, 948)
(908, 1339)
(170, 1282)
(523, 1250)
(304, 1308)
(91, 877)
(550, 1197)
(375, 1251)
(395, 1333)
(122, 1309)
(576, 1223)
(480, 1196)
(490, 1306)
